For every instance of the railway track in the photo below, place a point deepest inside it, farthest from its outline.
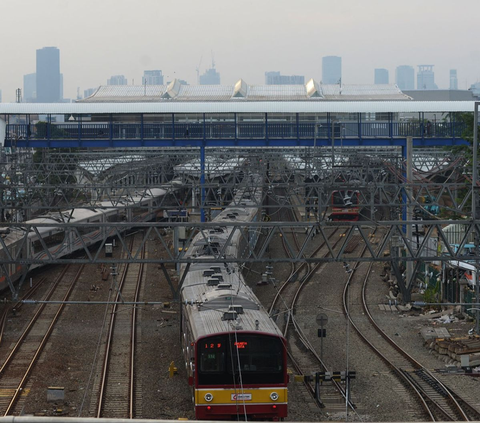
(17, 306)
(25, 353)
(436, 401)
(287, 296)
(117, 397)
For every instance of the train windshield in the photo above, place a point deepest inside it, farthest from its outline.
(246, 358)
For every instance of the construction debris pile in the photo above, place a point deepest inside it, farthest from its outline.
(457, 349)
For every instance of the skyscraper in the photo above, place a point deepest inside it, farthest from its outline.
(117, 80)
(274, 78)
(89, 91)
(331, 70)
(426, 78)
(29, 87)
(152, 77)
(381, 76)
(210, 77)
(48, 75)
(453, 79)
(405, 77)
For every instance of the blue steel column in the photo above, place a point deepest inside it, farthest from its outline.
(141, 129)
(297, 120)
(266, 129)
(202, 181)
(205, 127)
(235, 127)
(329, 127)
(111, 129)
(359, 118)
(390, 125)
(452, 125)
(49, 129)
(79, 129)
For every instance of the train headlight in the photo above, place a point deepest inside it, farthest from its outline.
(208, 397)
(274, 396)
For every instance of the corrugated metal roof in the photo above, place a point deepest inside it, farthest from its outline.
(310, 91)
(277, 93)
(134, 93)
(363, 92)
(205, 93)
(239, 107)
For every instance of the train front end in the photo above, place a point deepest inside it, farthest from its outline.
(241, 375)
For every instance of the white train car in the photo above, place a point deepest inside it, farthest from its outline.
(55, 241)
(234, 353)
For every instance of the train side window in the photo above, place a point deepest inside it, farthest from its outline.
(84, 230)
(52, 240)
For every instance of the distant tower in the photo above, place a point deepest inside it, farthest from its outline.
(453, 79)
(381, 76)
(405, 77)
(48, 78)
(152, 77)
(426, 78)
(331, 70)
(89, 91)
(29, 87)
(117, 80)
(211, 76)
(274, 78)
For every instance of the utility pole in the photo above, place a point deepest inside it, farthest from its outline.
(409, 191)
(475, 218)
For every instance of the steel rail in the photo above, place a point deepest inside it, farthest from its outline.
(405, 378)
(301, 336)
(303, 282)
(32, 321)
(456, 406)
(133, 341)
(109, 343)
(45, 338)
(284, 285)
(346, 312)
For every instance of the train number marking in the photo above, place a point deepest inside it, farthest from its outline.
(241, 397)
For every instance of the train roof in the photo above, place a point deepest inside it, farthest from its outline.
(77, 215)
(214, 167)
(209, 305)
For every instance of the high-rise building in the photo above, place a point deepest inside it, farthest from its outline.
(117, 80)
(381, 76)
(453, 79)
(274, 78)
(331, 70)
(152, 77)
(29, 87)
(405, 77)
(210, 77)
(48, 78)
(475, 89)
(426, 78)
(89, 91)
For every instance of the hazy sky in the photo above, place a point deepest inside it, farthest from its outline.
(100, 38)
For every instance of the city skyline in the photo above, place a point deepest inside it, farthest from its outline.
(286, 41)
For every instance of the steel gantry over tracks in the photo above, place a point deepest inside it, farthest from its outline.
(303, 149)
